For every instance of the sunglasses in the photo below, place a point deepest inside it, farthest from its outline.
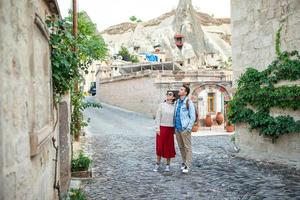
(170, 93)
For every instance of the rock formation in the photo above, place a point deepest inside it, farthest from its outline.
(202, 40)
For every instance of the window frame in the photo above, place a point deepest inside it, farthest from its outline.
(211, 97)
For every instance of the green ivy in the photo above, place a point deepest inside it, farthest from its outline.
(257, 94)
(70, 58)
(63, 57)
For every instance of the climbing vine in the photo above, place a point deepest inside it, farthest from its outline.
(258, 92)
(63, 57)
(79, 105)
(70, 59)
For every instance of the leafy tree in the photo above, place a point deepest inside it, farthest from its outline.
(127, 56)
(133, 18)
(91, 44)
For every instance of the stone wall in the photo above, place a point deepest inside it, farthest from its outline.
(254, 25)
(139, 94)
(142, 93)
(27, 115)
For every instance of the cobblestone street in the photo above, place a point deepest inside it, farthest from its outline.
(122, 145)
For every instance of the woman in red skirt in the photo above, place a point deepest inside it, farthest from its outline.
(165, 131)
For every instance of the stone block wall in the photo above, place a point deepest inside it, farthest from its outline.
(254, 27)
(138, 94)
(27, 115)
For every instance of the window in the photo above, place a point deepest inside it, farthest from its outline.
(189, 61)
(211, 102)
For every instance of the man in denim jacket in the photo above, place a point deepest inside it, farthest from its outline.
(184, 119)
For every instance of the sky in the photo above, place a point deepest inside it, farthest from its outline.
(106, 13)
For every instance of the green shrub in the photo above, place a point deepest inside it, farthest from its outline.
(126, 56)
(134, 59)
(81, 163)
(77, 194)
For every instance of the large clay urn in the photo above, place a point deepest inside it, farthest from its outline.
(195, 127)
(229, 127)
(219, 118)
(208, 121)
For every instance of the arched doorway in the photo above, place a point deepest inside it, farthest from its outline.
(210, 99)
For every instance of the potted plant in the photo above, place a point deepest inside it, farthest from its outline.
(195, 126)
(229, 127)
(80, 166)
(77, 194)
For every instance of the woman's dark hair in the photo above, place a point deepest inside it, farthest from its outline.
(174, 95)
(187, 89)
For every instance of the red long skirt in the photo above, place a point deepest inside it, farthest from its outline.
(165, 142)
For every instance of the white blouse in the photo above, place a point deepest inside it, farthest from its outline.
(164, 115)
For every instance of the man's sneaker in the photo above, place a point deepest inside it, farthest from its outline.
(156, 167)
(167, 169)
(182, 166)
(185, 170)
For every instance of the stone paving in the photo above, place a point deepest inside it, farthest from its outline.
(122, 145)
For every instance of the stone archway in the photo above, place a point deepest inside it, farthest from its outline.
(211, 87)
(202, 87)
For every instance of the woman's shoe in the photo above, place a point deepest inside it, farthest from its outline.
(156, 167)
(167, 169)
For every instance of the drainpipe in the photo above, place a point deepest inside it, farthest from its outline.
(76, 86)
(56, 183)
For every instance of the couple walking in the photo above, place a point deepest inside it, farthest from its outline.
(175, 117)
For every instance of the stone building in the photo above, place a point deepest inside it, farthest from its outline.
(254, 25)
(29, 121)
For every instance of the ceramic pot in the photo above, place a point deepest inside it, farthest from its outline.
(219, 118)
(208, 121)
(229, 128)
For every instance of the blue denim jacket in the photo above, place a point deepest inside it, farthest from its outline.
(187, 117)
